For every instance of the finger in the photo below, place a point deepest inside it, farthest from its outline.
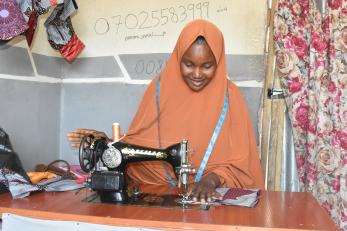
(75, 145)
(79, 143)
(218, 196)
(74, 139)
(190, 191)
(199, 195)
(202, 197)
(195, 195)
(71, 134)
(74, 134)
(209, 196)
(196, 189)
(84, 131)
(99, 134)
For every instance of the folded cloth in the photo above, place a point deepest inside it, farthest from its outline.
(60, 184)
(19, 187)
(231, 196)
(36, 177)
(60, 32)
(238, 196)
(63, 185)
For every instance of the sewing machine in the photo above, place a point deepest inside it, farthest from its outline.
(107, 164)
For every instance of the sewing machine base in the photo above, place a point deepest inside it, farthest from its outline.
(148, 200)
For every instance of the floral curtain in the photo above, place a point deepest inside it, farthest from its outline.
(311, 60)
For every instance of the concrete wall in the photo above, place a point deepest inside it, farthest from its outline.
(42, 97)
(30, 114)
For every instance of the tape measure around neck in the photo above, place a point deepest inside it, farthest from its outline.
(157, 89)
(210, 145)
(213, 138)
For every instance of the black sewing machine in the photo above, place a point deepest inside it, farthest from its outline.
(107, 162)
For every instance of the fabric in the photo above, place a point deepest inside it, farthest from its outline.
(5, 143)
(17, 184)
(39, 6)
(232, 196)
(239, 197)
(9, 159)
(19, 187)
(63, 186)
(72, 48)
(36, 177)
(61, 35)
(12, 22)
(32, 23)
(31, 9)
(60, 32)
(186, 114)
(312, 65)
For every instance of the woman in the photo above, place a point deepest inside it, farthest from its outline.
(187, 101)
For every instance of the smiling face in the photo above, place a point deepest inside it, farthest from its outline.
(198, 65)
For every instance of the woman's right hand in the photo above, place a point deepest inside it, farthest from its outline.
(76, 136)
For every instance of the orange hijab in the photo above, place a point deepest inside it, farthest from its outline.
(185, 114)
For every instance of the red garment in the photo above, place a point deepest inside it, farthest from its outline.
(32, 23)
(72, 48)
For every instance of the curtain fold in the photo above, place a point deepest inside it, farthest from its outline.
(311, 60)
(289, 172)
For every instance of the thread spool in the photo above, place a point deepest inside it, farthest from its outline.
(115, 131)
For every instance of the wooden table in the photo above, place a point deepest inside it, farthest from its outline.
(275, 210)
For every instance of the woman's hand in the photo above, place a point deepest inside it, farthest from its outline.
(76, 136)
(205, 189)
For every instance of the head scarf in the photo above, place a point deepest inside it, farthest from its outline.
(191, 115)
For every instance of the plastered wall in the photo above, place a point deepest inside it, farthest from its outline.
(42, 97)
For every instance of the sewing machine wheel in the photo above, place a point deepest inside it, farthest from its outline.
(86, 153)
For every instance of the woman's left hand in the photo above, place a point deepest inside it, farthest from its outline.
(205, 189)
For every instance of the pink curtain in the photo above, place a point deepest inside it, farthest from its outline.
(311, 60)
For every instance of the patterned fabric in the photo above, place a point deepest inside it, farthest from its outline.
(9, 158)
(5, 144)
(61, 34)
(17, 184)
(32, 23)
(239, 196)
(41, 7)
(311, 55)
(12, 22)
(72, 48)
(234, 193)
(20, 187)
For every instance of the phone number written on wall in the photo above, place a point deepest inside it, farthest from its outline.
(151, 19)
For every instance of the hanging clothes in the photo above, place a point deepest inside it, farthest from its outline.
(12, 22)
(18, 17)
(60, 32)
